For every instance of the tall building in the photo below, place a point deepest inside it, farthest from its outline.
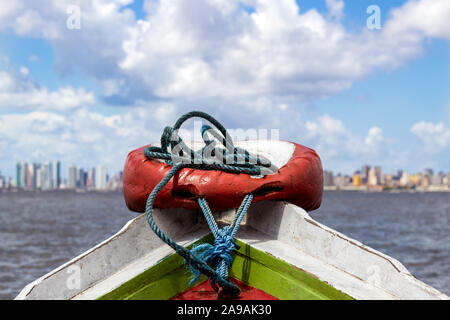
(101, 182)
(90, 179)
(446, 180)
(18, 174)
(438, 179)
(426, 180)
(328, 178)
(21, 174)
(46, 176)
(365, 173)
(56, 174)
(31, 175)
(379, 174)
(404, 179)
(39, 177)
(373, 177)
(2, 181)
(81, 178)
(71, 177)
(357, 179)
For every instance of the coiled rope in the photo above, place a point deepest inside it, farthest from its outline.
(229, 159)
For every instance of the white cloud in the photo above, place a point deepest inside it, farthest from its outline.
(247, 69)
(336, 144)
(87, 138)
(335, 7)
(82, 136)
(427, 17)
(19, 91)
(216, 49)
(436, 137)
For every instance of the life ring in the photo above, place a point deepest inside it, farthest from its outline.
(299, 180)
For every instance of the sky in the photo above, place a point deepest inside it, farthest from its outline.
(85, 82)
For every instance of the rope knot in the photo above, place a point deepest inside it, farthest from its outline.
(217, 254)
(223, 246)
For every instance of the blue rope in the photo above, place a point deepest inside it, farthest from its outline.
(219, 254)
(229, 159)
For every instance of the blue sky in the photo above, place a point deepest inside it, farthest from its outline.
(309, 68)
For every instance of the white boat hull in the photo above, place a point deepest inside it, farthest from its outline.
(285, 231)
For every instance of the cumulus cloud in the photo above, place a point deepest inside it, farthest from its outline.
(19, 91)
(217, 49)
(341, 148)
(83, 137)
(246, 67)
(435, 136)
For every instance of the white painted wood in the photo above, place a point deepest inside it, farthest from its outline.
(289, 224)
(134, 241)
(283, 230)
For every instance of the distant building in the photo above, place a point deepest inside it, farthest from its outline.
(328, 178)
(341, 181)
(101, 181)
(426, 181)
(416, 179)
(90, 179)
(365, 173)
(428, 172)
(379, 173)
(39, 177)
(438, 179)
(71, 177)
(56, 174)
(388, 180)
(446, 180)
(46, 176)
(81, 178)
(404, 179)
(2, 181)
(21, 174)
(399, 175)
(373, 178)
(357, 179)
(116, 181)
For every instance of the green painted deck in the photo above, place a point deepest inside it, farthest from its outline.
(251, 266)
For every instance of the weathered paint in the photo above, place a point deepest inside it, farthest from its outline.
(251, 266)
(283, 231)
(299, 181)
(161, 282)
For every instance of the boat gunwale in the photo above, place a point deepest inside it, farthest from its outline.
(293, 221)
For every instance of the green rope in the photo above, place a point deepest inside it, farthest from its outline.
(229, 159)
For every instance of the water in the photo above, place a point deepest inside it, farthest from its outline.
(40, 231)
(414, 228)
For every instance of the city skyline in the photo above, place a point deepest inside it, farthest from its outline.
(373, 177)
(48, 176)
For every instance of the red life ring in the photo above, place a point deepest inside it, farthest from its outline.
(299, 181)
